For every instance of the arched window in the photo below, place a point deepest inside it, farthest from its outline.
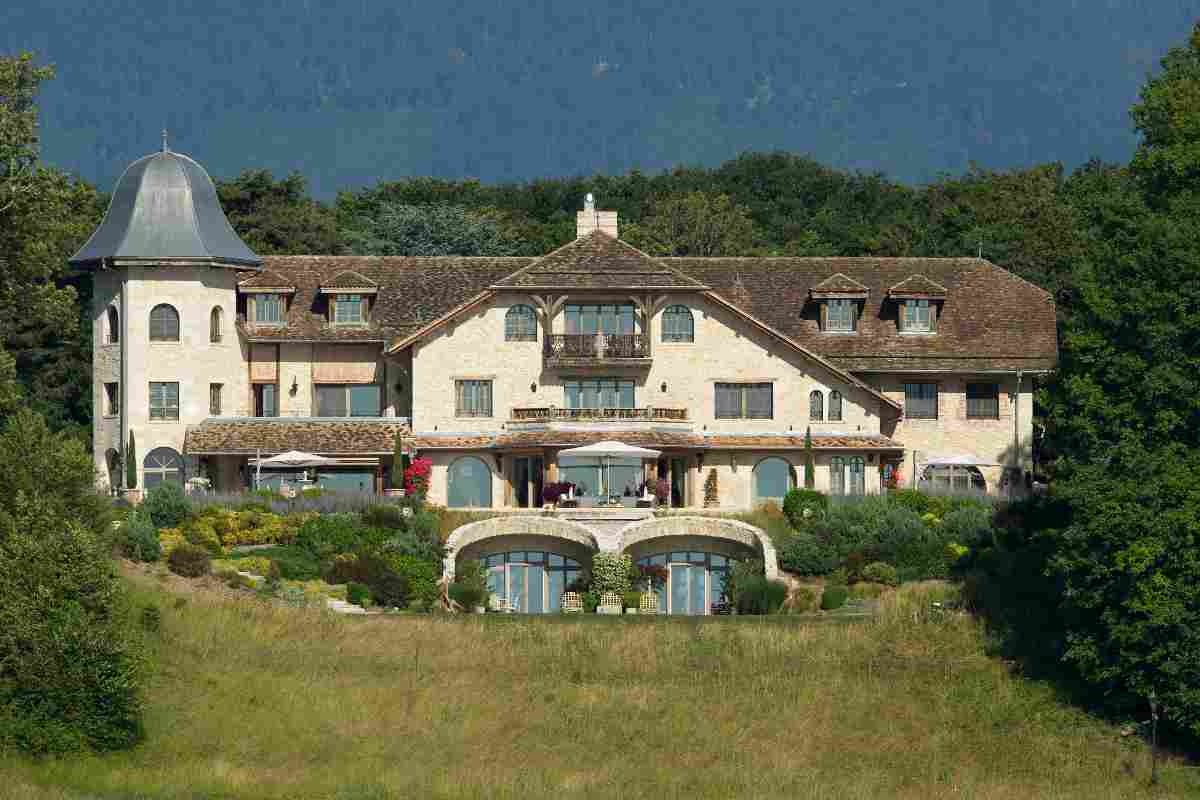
(469, 484)
(162, 465)
(816, 406)
(525, 577)
(678, 325)
(835, 406)
(214, 325)
(114, 325)
(837, 475)
(857, 478)
(773, 479)
(520, 325)
(164, 324)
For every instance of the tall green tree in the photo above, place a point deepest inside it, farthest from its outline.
(278, 216)
(45, 216)
(1168, 118)
(694, 224)
(433, 230)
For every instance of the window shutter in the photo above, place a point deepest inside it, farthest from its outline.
(933, 315)
(485, 398)
(825, 316)
(854, 316)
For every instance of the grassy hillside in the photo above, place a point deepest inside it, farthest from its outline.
(252, 701)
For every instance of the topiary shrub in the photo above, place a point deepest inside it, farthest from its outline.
(138, 538)
(611, 573)
(358, 594)
(801, 505)
(834, 597)
(758, 595)
(420, 577)
(189, 561)
(631, 600)
(880, 572)
(167, 505)
(805, 554)
(711, 496)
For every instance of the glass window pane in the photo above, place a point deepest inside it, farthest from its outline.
(572, 319)
(331, 400)
(659, 560)
(626, 320)
(588, 319)
(364, 401)
(772, 480)
(718, 561)
(535, 588)
(469, 484)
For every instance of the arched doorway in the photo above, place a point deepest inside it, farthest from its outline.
(469, 484)
(773, 479)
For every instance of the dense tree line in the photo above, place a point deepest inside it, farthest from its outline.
(1118, 245)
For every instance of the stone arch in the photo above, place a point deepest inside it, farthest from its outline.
(729, 530)
(514, 525)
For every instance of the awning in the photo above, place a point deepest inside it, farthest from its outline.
(956, 460)
(293, 458)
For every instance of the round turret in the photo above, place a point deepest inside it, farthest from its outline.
(165, 210)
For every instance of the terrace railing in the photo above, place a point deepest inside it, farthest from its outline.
(596, 346)
(649, 413)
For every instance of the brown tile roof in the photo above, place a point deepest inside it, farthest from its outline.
(265, 279)
(597, 261)
(348, 279)
(413, 291)
(991, 319)
(820, 442)
(917, 286)
(838, 283)
(652, 439)
(278, 435)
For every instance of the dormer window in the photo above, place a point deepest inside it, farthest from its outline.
(268, 309)
(349, 309)
(840, 315)
(916, 316)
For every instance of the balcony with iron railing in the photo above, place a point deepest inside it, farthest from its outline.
(598, 349)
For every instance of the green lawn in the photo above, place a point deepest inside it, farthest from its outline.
(254, 701)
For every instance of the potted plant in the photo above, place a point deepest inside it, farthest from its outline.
(631, 601)
(473, 592)
(662, 491)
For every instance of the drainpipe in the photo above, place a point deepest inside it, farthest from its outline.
(123, 419)
(1017, 434)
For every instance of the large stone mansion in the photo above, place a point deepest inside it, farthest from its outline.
(916, 369)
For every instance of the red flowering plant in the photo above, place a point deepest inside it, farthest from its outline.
(416, 477)
(655, 573)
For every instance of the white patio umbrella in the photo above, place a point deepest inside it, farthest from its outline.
(292, 458)
(609, 450)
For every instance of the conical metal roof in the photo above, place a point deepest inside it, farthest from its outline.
(164, 210)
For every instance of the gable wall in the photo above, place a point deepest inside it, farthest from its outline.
(725, 349)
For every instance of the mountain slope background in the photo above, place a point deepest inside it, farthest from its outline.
(351, 93)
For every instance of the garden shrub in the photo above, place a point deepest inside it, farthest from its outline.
(420, 577)
(757, 594)
(879, 572)
(472, 576)
(805, 554)
(168, 540)
(801, 505)
(802, 599)
(71, 653)
(969, 524)
(834, 597)
(915, 501)
(389, 584)
(611, 573)
(631, 600)
(294, 564)
(863, 590)
(138, 538)
(256, 565)
(189, 561)
(201, 533)
(167, 505)
(358, 594)
(325, 536)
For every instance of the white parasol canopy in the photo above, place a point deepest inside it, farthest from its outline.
(610, 450)
(295, 458)
(958, 460)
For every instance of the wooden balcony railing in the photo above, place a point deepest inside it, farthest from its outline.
(597, 346)
(649, 413)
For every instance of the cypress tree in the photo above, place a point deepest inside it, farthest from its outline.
(131, 464)
(809, 467)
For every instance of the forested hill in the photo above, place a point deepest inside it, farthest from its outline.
(350, 93)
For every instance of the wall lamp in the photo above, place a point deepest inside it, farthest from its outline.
(295, 386)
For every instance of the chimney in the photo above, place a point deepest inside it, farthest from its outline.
(590, 219)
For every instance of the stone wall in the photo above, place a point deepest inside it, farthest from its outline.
(642, 537)
(471, 539)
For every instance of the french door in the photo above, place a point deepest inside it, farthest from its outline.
(687, 589)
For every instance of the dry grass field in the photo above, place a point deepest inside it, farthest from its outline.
(254, 701)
